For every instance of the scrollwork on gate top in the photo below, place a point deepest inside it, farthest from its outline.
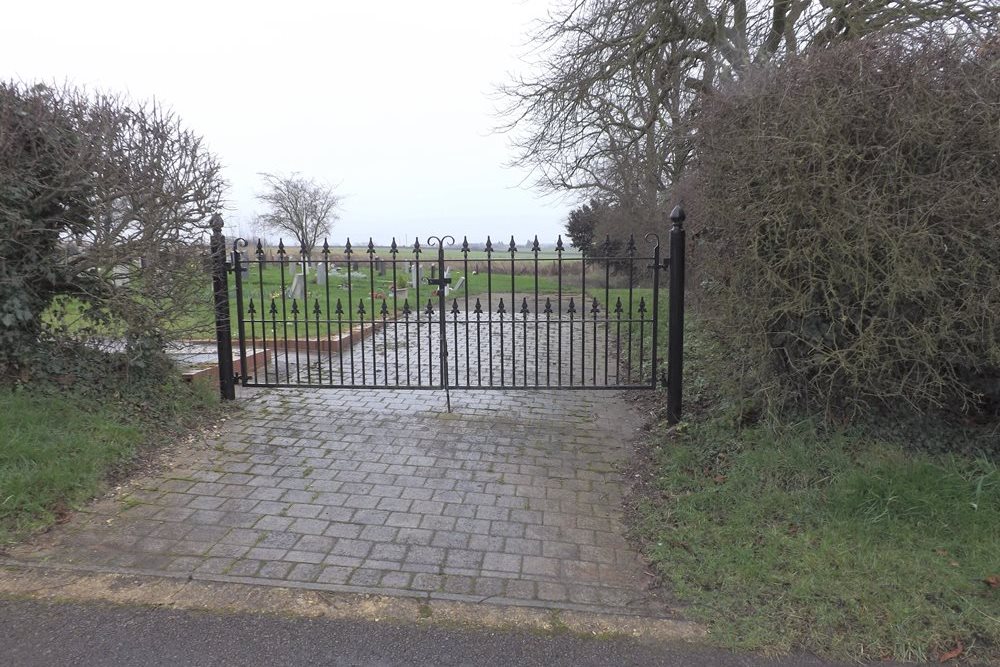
(653, 238)
(441, 240)
(238, 244)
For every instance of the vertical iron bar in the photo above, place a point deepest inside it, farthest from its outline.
(618, 341)
(500, 310)
(252, 312)
(654, 352)
(465, 313)
(513, 316)
(295, 330)
(394, 251)
(284, 312)
(443, 325)
(548, 340)
(240, 324)
(479, 342)
(295, 334)
(524, 339)
(642, 335)
(631, 312)
(454, 316)
(535, 248)
(305, 312)
(371, 296)
(675, 342)
(329, 320)
(317, 311)
(385, 343)
(489, 305)
(406, 333)
(570, 311)
(274, 330)
(416, 303)
(583, 317)
(340, 337)
(263, 312)
(348, 251)
(607, 302)
(595, 311)
(361, 335)
(559, 332)
(430, 342)
(223, 330)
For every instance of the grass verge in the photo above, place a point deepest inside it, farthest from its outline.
(850, 543)
(59, 448)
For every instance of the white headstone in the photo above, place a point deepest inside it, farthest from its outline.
(449, 289)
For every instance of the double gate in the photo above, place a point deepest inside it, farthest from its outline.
(450, 315)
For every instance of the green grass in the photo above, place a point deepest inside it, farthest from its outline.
(802, 537)
(58, 449)
(261, 286)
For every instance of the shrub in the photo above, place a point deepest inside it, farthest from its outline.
(846, 225)
(104, 204)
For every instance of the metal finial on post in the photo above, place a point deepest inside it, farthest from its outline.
(675, 341)
(677, 215)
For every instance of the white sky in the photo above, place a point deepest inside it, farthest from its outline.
(393, 100)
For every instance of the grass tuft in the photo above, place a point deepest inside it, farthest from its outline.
(787, 534)
(59, 448)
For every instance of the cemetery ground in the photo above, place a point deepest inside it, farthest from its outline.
(858, 543)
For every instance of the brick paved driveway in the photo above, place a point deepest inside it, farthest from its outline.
(514, 498)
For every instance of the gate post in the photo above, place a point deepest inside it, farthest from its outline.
(223, 330)
(675, 341)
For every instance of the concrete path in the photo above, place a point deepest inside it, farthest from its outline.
(512, 499)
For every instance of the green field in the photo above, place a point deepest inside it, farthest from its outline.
(317, 314)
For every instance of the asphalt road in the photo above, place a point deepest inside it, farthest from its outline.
(54, 634)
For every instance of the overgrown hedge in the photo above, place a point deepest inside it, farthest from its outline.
(845, 224)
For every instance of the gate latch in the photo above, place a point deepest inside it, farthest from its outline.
(439, 282)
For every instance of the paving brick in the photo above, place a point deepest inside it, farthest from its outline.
(315, 543)
(303, 510)
(515, 494)
(399, 580)
(502, 562)
(366, 577)
(426, 555)
(379, 533)
(309, 526)
(355, 548)
(348, 530)
(308, 572)
(521, 589)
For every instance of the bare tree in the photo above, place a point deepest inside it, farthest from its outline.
(103, 200)
(302, 207)
(606, 111)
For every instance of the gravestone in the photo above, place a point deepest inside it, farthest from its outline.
(297, 290)
(449, 289)
(416, 273)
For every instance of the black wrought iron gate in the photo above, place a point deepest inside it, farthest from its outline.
(449, 315)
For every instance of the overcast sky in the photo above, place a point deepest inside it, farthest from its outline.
(392, 100)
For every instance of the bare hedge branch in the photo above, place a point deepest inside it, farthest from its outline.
(847, 235)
